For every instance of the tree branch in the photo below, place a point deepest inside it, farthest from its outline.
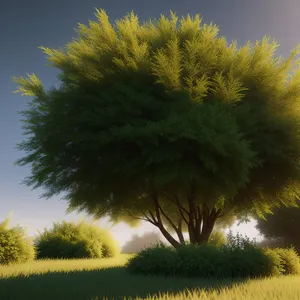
(225, 213)
(179, 233)
(179, 206)
(160, 225)
(177, 230)
(176, 202)
(147, 219)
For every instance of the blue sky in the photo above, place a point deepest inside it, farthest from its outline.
(26, 25)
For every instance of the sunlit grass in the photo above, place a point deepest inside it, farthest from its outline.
(97, 279)
(38, 267)
(263, 289)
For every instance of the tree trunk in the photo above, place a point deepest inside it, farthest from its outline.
(196, 217)
(207, 219)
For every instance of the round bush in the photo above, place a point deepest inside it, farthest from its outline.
(277, 263)
(199, 261)
(70, 240)
(250, 262)
(15, 246)
(290, 261)
(237, 259)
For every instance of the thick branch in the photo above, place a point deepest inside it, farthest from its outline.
(160, 225)
(179, 233)
(177, 229)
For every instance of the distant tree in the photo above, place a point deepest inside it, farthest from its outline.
(167, 124)
(272, 243)
(137, 243)
(281, 227)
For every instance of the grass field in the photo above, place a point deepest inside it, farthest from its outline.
(107, 279)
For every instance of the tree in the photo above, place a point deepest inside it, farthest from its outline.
(166, 124)
(282, 226)
(137, 243)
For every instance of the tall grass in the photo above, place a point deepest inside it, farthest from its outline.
(93, 279)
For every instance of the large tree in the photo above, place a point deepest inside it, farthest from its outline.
(282, 226)
(167, 123)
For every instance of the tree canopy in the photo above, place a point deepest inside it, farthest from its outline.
(165, 122)
(282, 225)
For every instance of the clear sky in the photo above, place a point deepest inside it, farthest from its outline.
(26, 25)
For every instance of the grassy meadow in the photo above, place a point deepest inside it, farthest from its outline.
(96, 279)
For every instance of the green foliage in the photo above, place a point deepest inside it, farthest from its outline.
(195, 261)
(15, 246)
(239, 242)
(240, 259)
(285, 261)
(156, 260)
(277, 263)
(282, 226)
(290, 261)
(151, 115)
(217, 238)
(69, 240)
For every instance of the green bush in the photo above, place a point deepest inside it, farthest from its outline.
(277, 263)
(249, 262)
(158, 260)
(69, 240)
(199, 261)
(239, 258)
(15, 246)
(290, 261)
(284, 261)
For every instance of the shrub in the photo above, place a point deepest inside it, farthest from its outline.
(158, 260)
(199, 261)
(290, 261)
(15, 246)
(244, 258)
(69, 240)
(239, 258)
(250, 262)
(277, 264)
(239, 242)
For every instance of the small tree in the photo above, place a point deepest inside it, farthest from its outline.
(15, 246)
(166, 124)
(70, 240)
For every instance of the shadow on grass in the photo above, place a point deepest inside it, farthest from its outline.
(113, 283)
